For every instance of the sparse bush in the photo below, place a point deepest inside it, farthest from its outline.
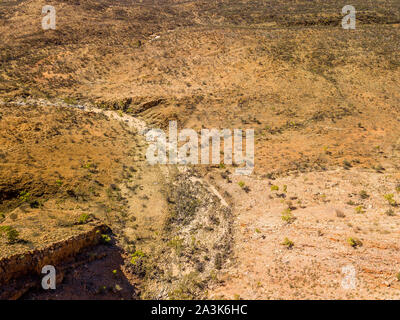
(11, 234)
(241, 184)
(364, 194)
(354, 242)
(390, 213)
(70, 101)
(84, 218)
(35, 204)
(359, 209)
(105, 239)
(287, 216)
(218, 261)
(24, 196)
(236, 297)
(390, 199)
(136, 256)
(288, 243)
(346, 164)
(87, 165)
(274, 188)
(188, 287)
(177, 244)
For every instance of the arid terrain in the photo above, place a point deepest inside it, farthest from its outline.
(77, 192)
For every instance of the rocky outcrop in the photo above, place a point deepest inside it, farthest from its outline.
(18, 273)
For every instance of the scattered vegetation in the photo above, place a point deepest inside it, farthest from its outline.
(390, 199)
(10, 233)
(287, 216)
(87, 165)
(364, 194)
(351, 203)
(354, 242)
(274, 188)
(188, 287)
(24, 196)
(346, 165)
(136, 256)
(359, 209)
(105, 239)
(177, 244)
(288, 243)
(84, 218)
(243, 186)
(390, 213)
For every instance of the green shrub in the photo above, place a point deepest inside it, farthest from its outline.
(84, 218)
(241, 184)
(87, 165)
(359, 209)
(137, 255)
(288, 243)
(105, 239)
(177, 244)
(287, 216)
(390, 199)
(354, 242)
(11, 233)
(274, 188)
(24, 196)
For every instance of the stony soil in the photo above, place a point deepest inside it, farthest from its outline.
(323, 102)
